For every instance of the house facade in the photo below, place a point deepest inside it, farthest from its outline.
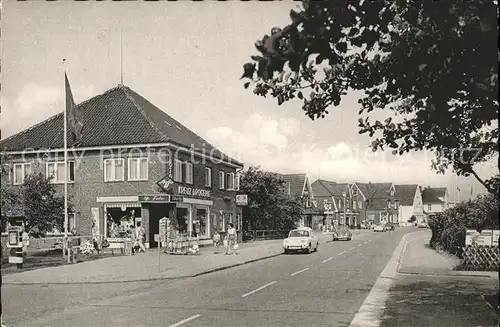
(135, 164)
(298, 185)
(434, 200)
(380, 202)
(410, 203)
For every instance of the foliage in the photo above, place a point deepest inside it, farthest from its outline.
(269, 205)
(449, 228)
(433, 64)
(43, 208)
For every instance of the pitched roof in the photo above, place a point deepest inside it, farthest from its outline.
(429, 196)
(405, 194)
(294, 182)
(335, 189)
(119, 116)
(438, 191)
(375, 190)
(319, 190)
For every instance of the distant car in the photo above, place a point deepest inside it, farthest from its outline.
(342, 233)
(379, 228)
(301, 239)
(390, 226)
(423, 225)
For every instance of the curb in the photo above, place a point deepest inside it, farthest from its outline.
(146, 279)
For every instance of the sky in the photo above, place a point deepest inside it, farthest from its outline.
(186, 58)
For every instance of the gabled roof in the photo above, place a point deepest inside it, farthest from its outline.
(119, 116)
(294, 182)
(319, 190)
(335, 189)
(429, 196)
(438, 191)
(405, 194)
(375, 190)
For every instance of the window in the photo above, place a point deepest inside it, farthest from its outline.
(114, 170)
(230, 181)
(360, 204)
(208, 177)
(178, 170)
(429, 207)
(138, 169)
(325, 202)
(237, 182)
(388, 204)
(354, 191)
(71, 222)
(340, 203)
(308, 203)
(221, 180)
(20, 172)
(392, 192)
(189, 172)
(239, 222)
(56, 171)
(354, 204)
(315, 203)
(397, 204)
(202, 217)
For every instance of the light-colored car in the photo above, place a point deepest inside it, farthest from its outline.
(342, 233)
(423, 225)
(379, 228)
(301, 239)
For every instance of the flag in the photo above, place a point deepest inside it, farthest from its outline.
(75, 120)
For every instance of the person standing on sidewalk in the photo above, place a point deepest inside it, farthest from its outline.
(140, 236)
(216, 241)
(231, 239)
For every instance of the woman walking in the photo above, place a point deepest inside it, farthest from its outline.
(231, 239)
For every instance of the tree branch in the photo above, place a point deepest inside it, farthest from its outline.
(480, 180)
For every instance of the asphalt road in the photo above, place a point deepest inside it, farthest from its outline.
(320, 289)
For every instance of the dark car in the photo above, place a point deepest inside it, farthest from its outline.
(342, 233)
(389, 226)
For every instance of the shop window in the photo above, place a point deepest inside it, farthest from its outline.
(121, 221)
(202, 218)
(138, 169)
(221, 222)
(56, 171)
(221, 180)
(178, 170)
(208, 177)
(114, 170)
(230, 181)
(21, 171)
(182, 220)
(189, 172)
(239, 222)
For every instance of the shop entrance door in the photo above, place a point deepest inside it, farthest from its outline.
(156, 212)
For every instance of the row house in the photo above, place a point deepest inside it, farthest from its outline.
(135, 163)
(298, 185)
(337, 202)
(434, 200)
(377, 202)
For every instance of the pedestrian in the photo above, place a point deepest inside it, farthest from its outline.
(216, 240)
(231, 238)
(140, 236)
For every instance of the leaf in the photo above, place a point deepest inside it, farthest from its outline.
(246, 85)
(342, 47)
(248, 70)
(300, 96)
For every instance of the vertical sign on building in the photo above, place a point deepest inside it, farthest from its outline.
(164, 222)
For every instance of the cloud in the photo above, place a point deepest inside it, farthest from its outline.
(35, 103)
(276, 145)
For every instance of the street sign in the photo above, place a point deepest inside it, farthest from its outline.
(163, 198)
(163, 225)
(14, 237)
(241, 199)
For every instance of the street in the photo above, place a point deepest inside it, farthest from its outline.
(320, 289)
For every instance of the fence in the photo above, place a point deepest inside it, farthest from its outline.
(267, 234)
(481, 258)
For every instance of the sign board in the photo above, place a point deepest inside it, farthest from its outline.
(183, 190)
(471, 236)
(494, 239)
(241, 199)
(17, 260)
(157, 237)
(485, 237)
(14, 237)
(176, 198)
(163, 225)
(165, 183)
(163, 198)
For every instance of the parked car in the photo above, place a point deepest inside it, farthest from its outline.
(342, 233)
(423, 225)
(390, 226)
(379, 228)
(301, 239)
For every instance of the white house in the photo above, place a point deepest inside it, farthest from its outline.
(410, 203)
(435, 200)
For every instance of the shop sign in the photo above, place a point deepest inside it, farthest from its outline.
(485, 238)
(496, 235)
(165, 183)
(176, 198)
(183, 190)
(154, 198)
(241, 199)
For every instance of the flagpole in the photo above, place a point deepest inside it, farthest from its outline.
(65, 159)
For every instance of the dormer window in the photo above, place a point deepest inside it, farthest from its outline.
(354, 191)
(392, 192)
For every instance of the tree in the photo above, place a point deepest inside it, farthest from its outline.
(9, 195)
(43, 208)
(433, 65)
(269, 206)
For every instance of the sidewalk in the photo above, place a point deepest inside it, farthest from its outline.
(152, 265)
(428, 292)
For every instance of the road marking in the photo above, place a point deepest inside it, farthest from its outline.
(352, 248)
(258, 289)
(182, 322)
(324, 261)
(342, 252)
(360, 245)
(300, 271)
